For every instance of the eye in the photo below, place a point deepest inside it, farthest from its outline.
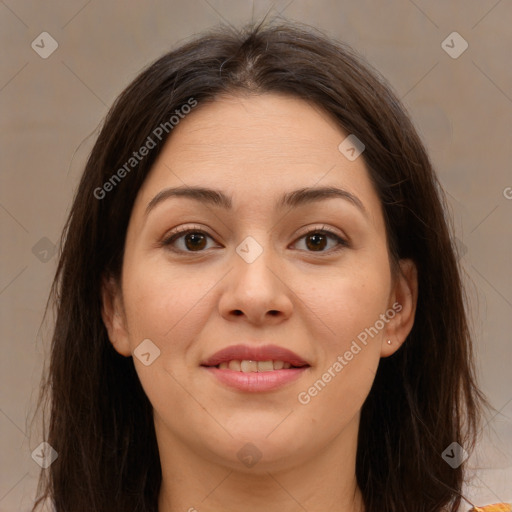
(317, 239)
(194, 239)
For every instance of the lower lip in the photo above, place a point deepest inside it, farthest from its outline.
(256, 381)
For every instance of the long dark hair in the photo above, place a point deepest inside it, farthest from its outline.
(424, 397)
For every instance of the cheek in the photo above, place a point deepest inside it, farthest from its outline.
(169, 306)
(163, 303)
(348, 309)
(346, 302)
(348, 329)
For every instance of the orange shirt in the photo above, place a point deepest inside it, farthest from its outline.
(497, 507)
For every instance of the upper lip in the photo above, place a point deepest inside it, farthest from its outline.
(254, 353)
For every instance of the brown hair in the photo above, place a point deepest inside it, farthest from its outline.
(423, 398)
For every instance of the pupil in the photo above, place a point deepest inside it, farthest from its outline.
(318, 243)
(195, 237)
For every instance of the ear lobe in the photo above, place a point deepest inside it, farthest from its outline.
(112, 313)
(404, 299)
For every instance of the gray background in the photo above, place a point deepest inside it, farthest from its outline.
(52, 107)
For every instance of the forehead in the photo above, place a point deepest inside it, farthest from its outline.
(272, 126)
(257, 146)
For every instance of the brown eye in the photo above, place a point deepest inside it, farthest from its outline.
(317, 240)
(193, 240)
(196, 240)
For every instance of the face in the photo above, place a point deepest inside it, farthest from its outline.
(310, 275)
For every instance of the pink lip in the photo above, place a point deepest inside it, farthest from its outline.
(256, 381)
(255, 353)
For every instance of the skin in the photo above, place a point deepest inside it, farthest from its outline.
(254, 148)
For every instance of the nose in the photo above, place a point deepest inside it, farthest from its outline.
(256, 289)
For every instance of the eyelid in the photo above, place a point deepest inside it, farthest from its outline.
(324, 228)
(183, 230)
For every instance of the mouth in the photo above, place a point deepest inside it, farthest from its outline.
(255, 369)
(251, 366)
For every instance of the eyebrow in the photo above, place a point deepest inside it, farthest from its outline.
(291, 199)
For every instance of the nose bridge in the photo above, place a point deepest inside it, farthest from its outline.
(254, 258)
(251, 250)
(255, 288)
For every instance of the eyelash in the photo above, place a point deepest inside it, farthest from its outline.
(181, 232)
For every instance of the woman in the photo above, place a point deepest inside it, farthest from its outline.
(315, 354)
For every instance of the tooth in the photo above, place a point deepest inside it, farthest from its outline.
(234, 365)
(249, 366)
(265, 366)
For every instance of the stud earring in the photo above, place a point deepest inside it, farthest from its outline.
(389, 342)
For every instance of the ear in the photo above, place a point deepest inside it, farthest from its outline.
(112, 313)
(403, 302)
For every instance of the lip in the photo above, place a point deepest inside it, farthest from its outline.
(255, 353)
(255, 381)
